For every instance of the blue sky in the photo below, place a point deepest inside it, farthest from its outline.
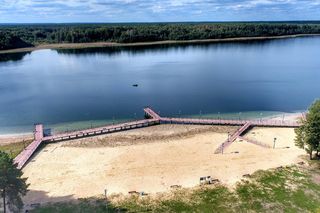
(58, 11)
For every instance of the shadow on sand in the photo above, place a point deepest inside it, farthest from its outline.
(40, 201)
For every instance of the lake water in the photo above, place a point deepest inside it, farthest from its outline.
(69, 89)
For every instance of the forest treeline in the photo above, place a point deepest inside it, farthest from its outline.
(17, 36)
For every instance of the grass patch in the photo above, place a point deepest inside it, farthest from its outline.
(14, 149)
(81, 206)
(288, 189)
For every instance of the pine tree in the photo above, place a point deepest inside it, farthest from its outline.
(12, 185)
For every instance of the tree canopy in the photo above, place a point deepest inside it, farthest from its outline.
(17, 36)
(12, 185)
(308, 134)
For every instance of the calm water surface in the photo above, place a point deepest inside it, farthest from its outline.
(73, 88)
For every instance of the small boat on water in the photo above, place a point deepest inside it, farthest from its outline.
(135, 85)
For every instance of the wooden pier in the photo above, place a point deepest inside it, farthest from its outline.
(102, 130)
(233, 137)
(153, 119)
(24, 156)
(257, 123)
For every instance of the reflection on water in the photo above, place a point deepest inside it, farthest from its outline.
(13, 56)
(84, 86)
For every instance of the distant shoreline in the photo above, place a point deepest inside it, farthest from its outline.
(114, 44)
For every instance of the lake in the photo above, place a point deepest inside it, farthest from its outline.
(69, 89)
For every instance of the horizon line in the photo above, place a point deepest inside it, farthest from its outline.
(160, 22)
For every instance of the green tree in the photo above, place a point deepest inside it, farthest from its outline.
(12, 185)
(308, 134)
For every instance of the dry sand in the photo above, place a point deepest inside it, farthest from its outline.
(151, 160)
(15, 138)
(287, 117)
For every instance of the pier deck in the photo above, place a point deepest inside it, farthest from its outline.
(102, 130)
(154, 119)
(24, 156)
(233, 137)
(257, 123)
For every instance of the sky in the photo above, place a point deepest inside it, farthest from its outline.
(67, 11)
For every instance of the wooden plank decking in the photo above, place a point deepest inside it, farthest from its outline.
(101, 130)
(257, 123)
(233, 137)
(25, 155)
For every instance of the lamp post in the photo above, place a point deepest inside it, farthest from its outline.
(274, 143)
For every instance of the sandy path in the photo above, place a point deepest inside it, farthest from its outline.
(71, 170)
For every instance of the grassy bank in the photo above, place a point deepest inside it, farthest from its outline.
(14, 149)
(288, 189)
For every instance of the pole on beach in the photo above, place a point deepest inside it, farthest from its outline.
(274, 143)
(105, 195)
(222, 146)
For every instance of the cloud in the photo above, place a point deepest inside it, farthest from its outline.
(155, 10)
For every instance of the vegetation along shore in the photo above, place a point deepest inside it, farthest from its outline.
(24, 38)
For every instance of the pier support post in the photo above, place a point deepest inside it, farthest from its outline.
(38, 132)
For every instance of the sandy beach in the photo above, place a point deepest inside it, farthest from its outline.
(151, 160)
(15, 138)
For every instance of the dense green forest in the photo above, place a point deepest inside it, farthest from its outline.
(17, 36)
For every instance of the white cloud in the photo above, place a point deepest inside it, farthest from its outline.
(132, 10)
